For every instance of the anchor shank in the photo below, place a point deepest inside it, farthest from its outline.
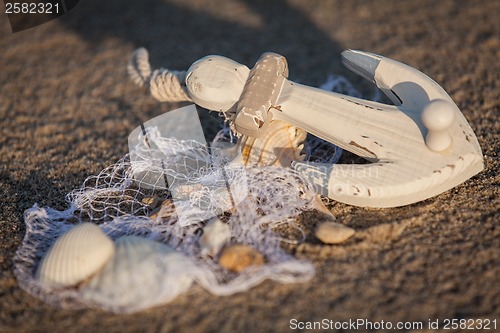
(363, 127)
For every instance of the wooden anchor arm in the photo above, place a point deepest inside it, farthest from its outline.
(403, 84)
(387, 184)
(408, 88)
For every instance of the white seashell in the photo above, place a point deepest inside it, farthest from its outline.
(75, 256)
(333, 233)
(215, 235)
(142, 273)
(281, 144)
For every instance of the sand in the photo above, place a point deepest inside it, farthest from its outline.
(67, 107)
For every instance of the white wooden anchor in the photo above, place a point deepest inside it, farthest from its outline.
(419, 147)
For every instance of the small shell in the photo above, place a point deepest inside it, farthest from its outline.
(142, 273)
(165, 210)
(215, 235)
(75, 256)
(152, 201)
(333, 232)
(281, 144)
(239, 257)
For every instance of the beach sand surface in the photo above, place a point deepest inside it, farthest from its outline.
(67, 107)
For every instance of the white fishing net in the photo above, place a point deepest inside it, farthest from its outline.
(114, 200)
(261, 208)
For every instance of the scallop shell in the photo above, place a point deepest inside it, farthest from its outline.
(142, 273)
(75, 256)
(281, 144)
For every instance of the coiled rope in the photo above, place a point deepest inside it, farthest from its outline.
(165, 85)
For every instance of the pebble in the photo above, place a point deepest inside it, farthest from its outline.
(385, 232)
(333, 232)
(237, 258)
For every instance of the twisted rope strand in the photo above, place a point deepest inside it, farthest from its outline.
(168, 86)
(165, 85)
(138, 67)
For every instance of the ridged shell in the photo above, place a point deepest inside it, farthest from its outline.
(281, 144)
(141, 274)
(75, 256)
